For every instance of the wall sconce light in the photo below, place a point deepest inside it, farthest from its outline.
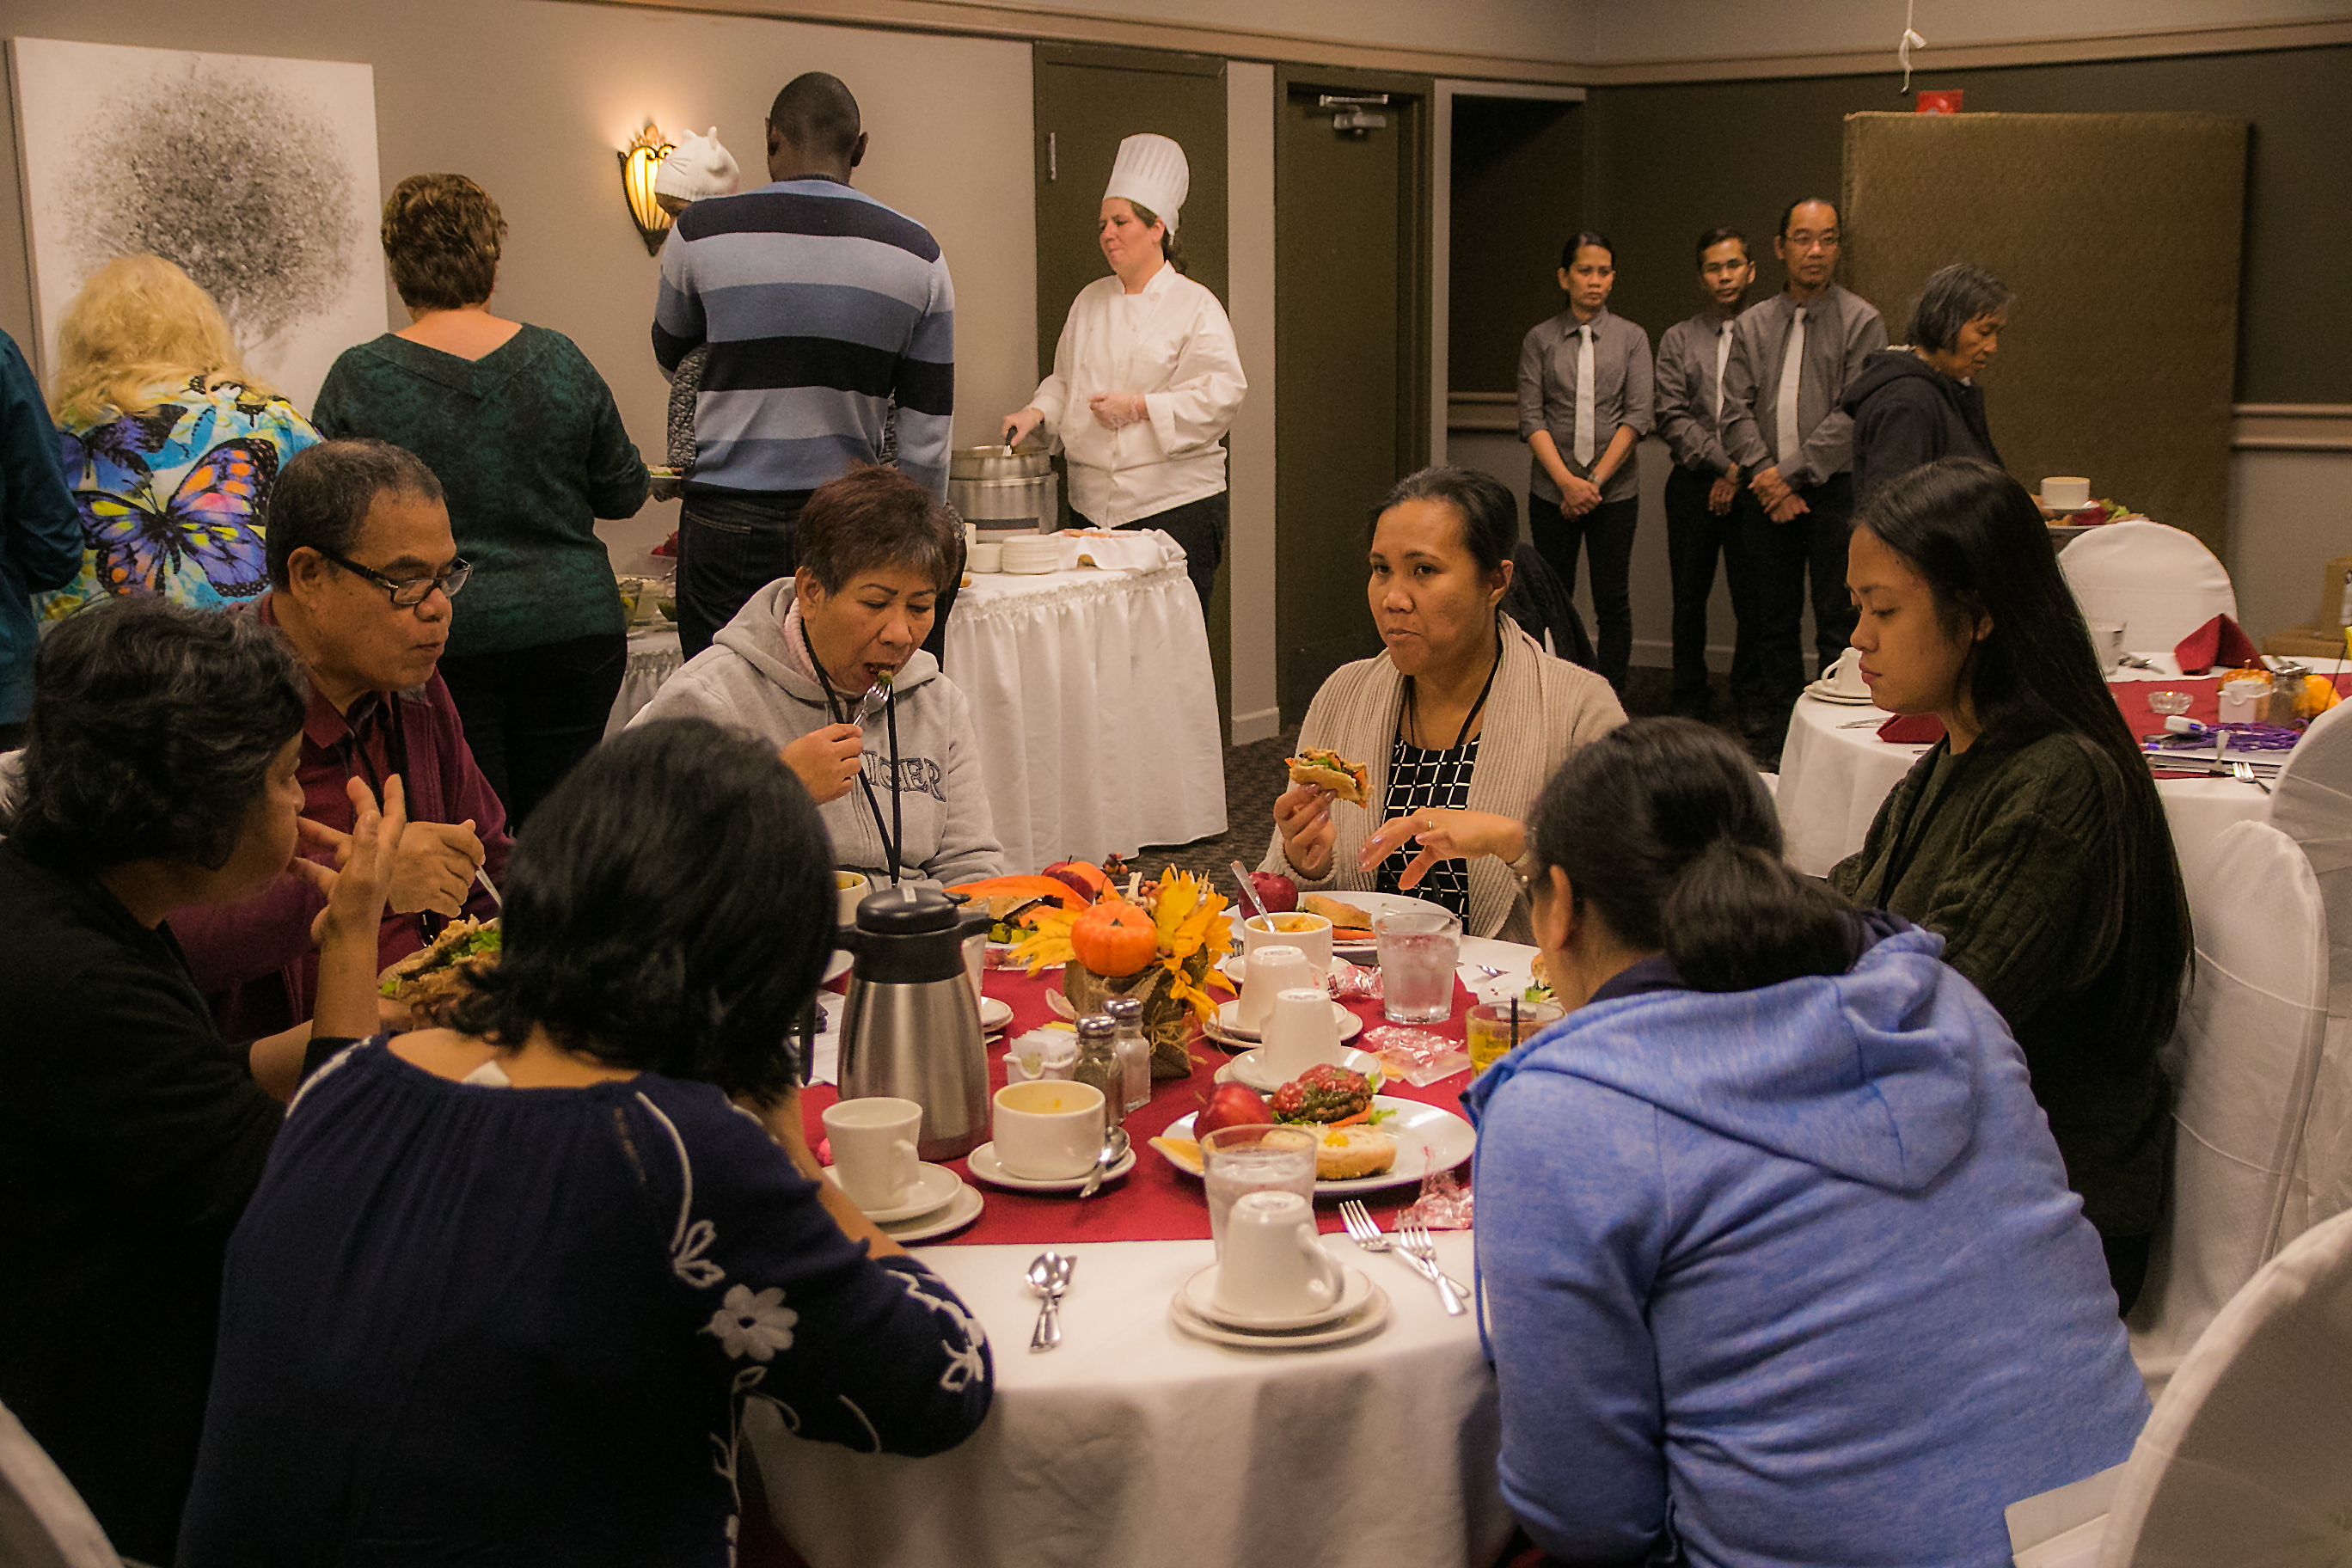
(641, 163)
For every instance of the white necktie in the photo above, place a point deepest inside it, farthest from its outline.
(1722, 358)
(1785, 411)
(1583, 446)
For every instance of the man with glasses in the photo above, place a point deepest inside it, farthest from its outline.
(1791, 358)
(363, 568)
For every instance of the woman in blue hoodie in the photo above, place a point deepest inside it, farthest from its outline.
(1778, 1259)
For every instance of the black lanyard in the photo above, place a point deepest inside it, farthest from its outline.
(383, 710)
(843, 714)
(1406, 720)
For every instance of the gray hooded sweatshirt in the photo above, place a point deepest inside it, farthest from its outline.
(743, 679)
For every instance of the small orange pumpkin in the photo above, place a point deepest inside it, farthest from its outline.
(1114, 939)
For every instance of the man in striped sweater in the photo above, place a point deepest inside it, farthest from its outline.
(821, 307)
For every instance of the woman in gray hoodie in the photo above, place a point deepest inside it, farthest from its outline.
(828, 664)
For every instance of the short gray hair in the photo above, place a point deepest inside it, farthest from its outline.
(322, 496)
(1952, 298)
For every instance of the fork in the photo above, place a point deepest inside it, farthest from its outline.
(2244, 773)
(1417, 1241)
(1366, 1233)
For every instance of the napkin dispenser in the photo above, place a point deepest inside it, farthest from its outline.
(910, 1025)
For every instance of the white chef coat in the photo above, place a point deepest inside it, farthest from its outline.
(1172, 343)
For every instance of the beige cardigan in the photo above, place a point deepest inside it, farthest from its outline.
(1542, 709)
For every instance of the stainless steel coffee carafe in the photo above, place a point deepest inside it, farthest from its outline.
(911, 1024)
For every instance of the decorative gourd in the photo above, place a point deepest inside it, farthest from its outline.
(1114, 939)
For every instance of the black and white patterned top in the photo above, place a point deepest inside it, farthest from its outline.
(1423, 780)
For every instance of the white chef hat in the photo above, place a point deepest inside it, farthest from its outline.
(696, 167)
(1151, 172)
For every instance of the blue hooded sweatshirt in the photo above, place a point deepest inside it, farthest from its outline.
(1793, 1274)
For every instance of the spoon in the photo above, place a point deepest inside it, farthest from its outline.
(1048, 1278)
(1114, 1150)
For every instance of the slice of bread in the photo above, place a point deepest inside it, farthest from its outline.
(1344, 1153)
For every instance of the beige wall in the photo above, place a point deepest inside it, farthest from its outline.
(1713, 29)
(532, 97)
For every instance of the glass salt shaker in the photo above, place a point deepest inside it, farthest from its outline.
(1133, 1050)
(1099, 1061)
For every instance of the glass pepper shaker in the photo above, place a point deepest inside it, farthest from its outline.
(1099, 1062)
(1134, 1052)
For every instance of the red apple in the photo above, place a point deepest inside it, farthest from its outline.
(1231, 1105)
(1277, 892)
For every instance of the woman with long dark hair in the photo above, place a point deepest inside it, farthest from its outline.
(2031, 838)
(1745, 1213)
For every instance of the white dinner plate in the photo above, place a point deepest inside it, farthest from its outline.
(984, 1165)
(1226, 1025)
(993, 1014)
(1371, 1319)
(932, 1188)
(1820, 691)
(1429, 1137)
(1199, 1295)
(1376, 905)
(1249, 1068)
(960, 1211)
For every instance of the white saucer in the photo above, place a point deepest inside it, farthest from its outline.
(1228, 1022)
(984, 1165)
(933, 1187)
(993, 1014)
(1199, 1295)
(1371, 1319)
(961, 1210)
(1249, 1068)
(837, 966)
(1820, 691)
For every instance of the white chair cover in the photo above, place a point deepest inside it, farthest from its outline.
(2160, 582)
(2311, 802)
(42, 1520)
(2241, 1060)
(2247, 1457)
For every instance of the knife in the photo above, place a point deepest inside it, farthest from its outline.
(1248, 891)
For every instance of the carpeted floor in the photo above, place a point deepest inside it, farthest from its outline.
(1255, 776)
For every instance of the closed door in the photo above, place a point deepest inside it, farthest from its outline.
(1352, 327)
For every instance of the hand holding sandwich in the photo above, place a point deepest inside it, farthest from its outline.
(1303, 812)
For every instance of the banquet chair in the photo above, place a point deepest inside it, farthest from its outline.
(2311, 802)
(2247, 1457)
(2242, 1060)
(42, 1520)
(2162, 582)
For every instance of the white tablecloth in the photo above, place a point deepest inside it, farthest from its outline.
(1097, 710)
(1834, 776)
(654, 657)
(1136, 1446)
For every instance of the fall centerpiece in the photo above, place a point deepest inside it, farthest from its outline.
(1159, 945)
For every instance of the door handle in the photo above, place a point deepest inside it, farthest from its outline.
(1052, 159)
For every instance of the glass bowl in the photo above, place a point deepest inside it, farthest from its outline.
(2168, 702)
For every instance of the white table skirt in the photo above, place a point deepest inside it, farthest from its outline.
(1134, 1444)
(1833, 779)
(1097, 710)
(654, 657)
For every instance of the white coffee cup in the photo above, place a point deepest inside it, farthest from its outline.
(1845, 676)
(1274, 1265)
(874, 1154)
(2066, 492)
(988, 557)
(2107, 636)
(1267, 970)
(1310, 934)
(853, 886)
(1048, 1130)
(1300, 1032)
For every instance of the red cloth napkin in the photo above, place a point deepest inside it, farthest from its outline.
(1912, 730)
(2219, 641)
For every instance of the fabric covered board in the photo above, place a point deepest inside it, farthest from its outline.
(2121, 235)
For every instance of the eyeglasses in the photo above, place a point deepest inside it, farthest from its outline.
(407, 593)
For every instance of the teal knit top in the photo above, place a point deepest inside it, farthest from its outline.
(528, 446)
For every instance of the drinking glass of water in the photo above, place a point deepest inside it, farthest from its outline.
(1418, 951)
(1250, 1159)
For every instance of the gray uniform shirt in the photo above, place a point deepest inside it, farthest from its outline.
(1621, 396)
(1840, 328)
(1686, 400)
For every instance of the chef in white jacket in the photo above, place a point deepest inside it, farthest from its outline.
(1147, 377)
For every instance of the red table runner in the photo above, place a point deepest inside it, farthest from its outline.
(1154, 1202)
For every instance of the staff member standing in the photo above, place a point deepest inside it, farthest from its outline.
(1147, 377)
(1584, 404)
(1704, 484)
(1792, 357)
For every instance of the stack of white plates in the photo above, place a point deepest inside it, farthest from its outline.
(1032, 555)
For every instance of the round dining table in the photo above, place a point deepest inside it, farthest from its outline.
(1133, 1443)
(1842, 760)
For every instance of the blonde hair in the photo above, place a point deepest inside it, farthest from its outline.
(139, 324)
